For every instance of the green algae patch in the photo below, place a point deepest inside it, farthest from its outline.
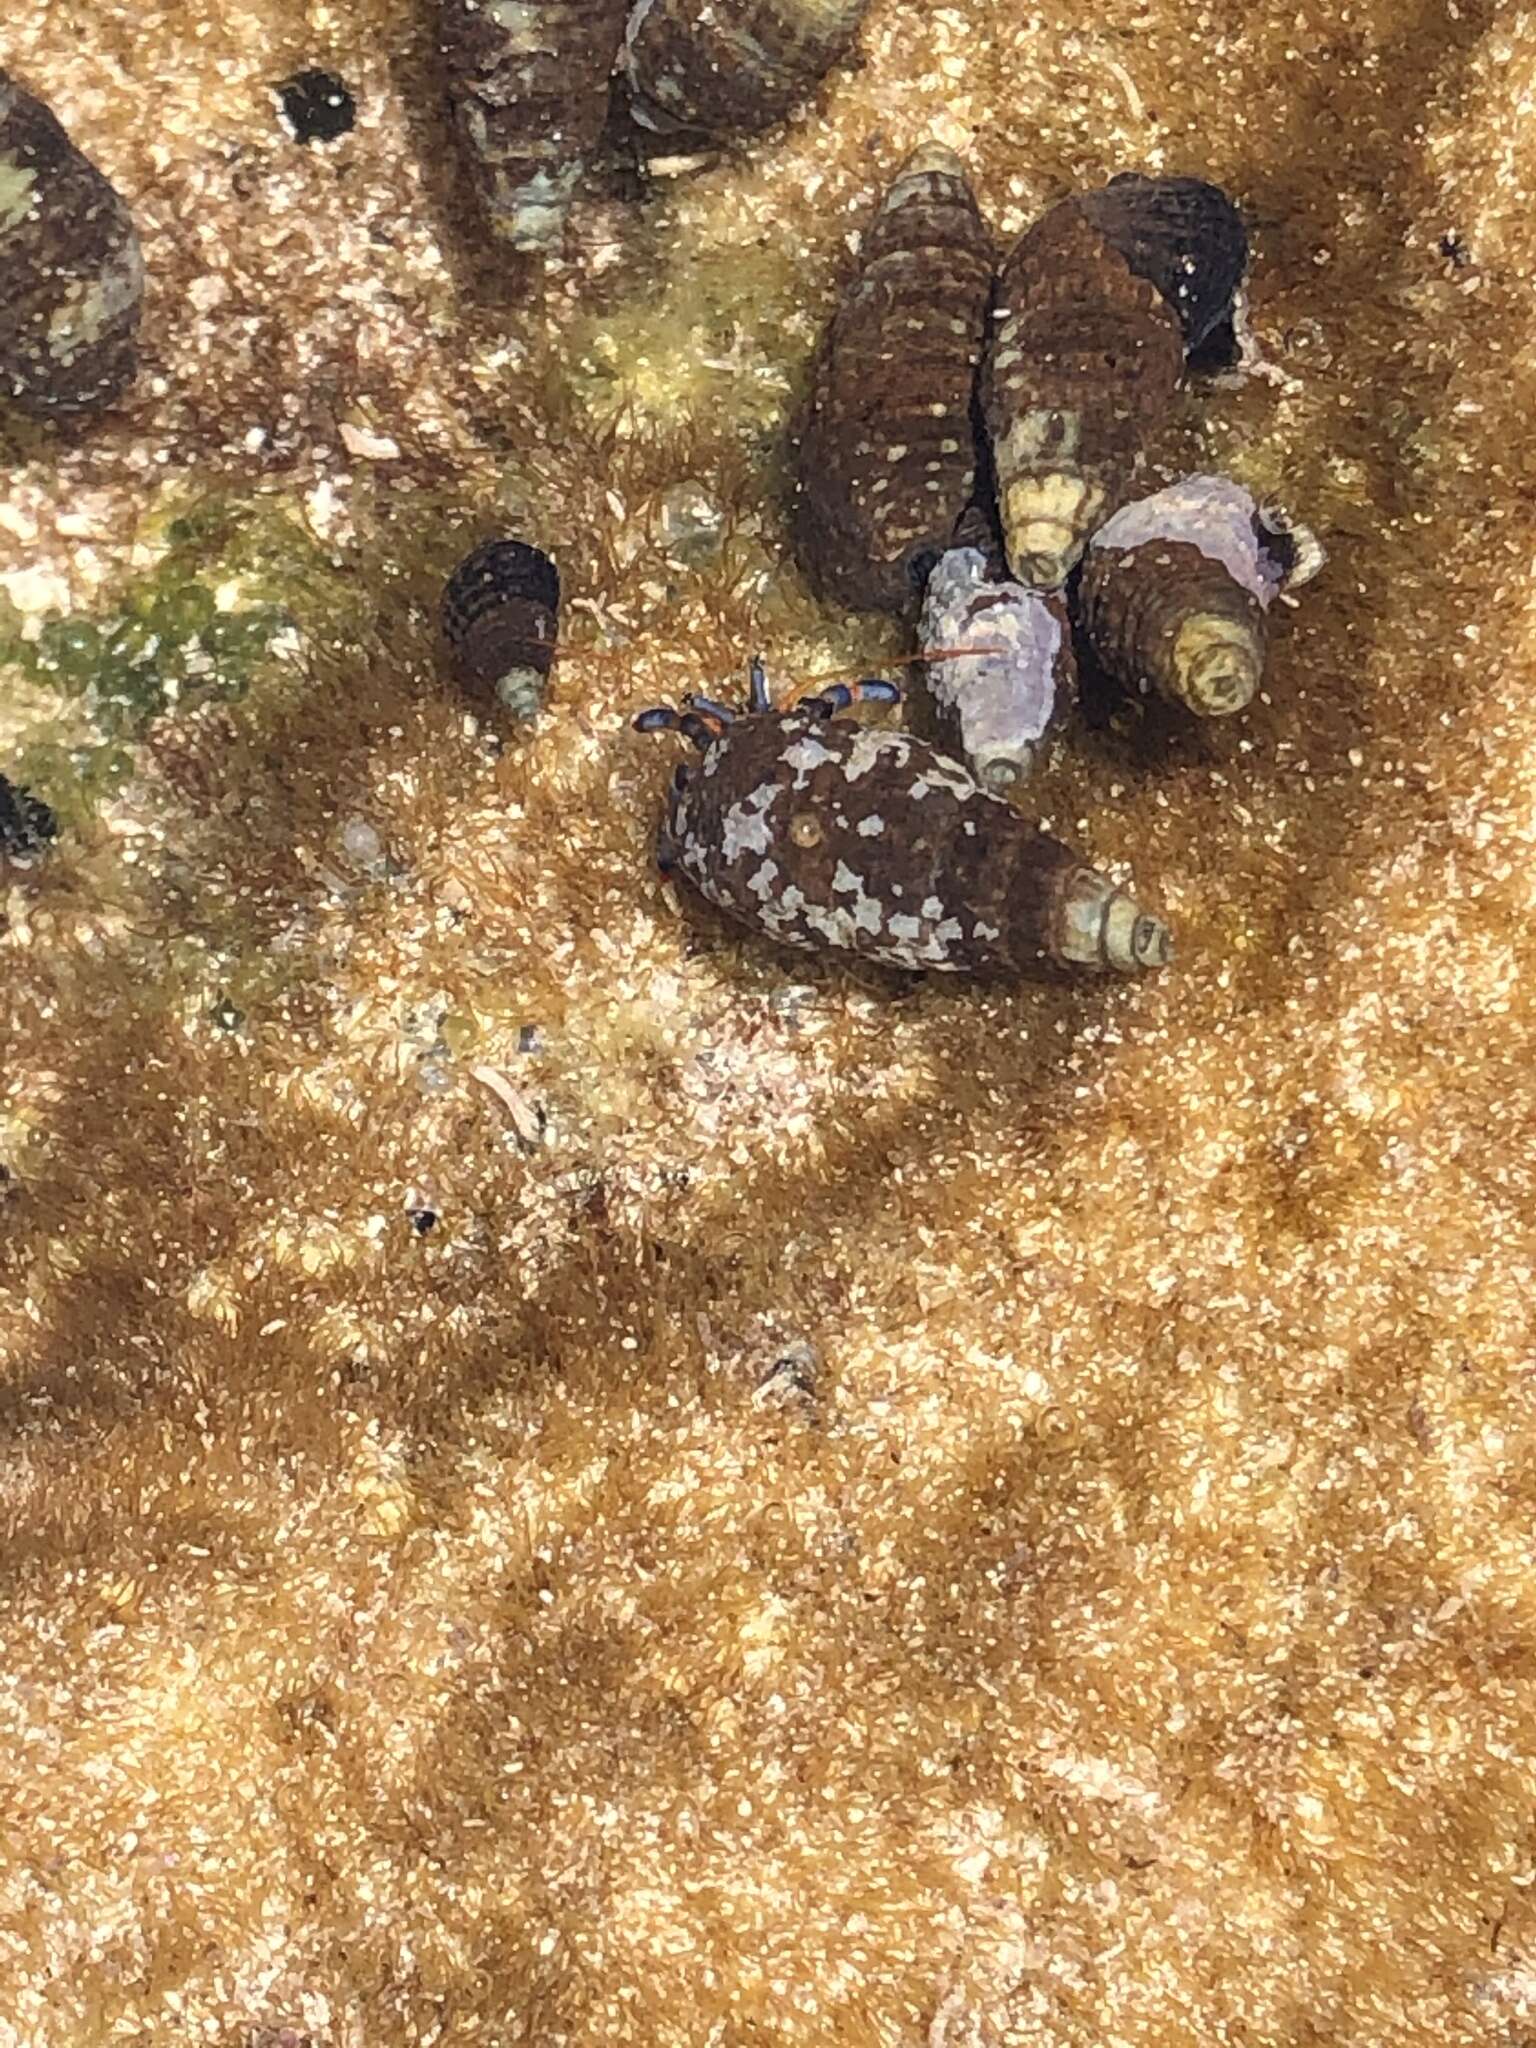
(239, 580)
(709, 343)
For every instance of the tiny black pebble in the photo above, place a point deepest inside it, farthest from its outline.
(422, 1220)
(1454, 250)
(318, 106)
(530, 1039)
(26, 823)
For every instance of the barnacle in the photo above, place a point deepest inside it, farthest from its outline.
(1001, 671)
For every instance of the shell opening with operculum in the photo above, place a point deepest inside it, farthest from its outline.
(1185, 236)
(1295, 550)
(1101, 925)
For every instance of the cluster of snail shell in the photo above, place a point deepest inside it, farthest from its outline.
(530, 84)
(972, 439)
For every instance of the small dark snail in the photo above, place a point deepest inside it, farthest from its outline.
(500, 619)
(886, 451)
(1175, 588)
(528, 88)
(841, 837)
(731, 68)
(71, 272)
(1085, 357)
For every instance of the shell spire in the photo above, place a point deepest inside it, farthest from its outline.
(528, 86)
(732, 68)
(72, 270)
(1085, 357)
(886, 455)
(1175, 589)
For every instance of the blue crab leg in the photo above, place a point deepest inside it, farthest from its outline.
(838, 696)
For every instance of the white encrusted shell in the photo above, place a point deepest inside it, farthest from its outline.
(1215, 515)
(1004, 696)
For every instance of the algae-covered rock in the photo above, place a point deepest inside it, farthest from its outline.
(73, 275)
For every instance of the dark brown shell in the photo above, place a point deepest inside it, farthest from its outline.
(830, 835)
(1138, 604)
(886, 460)
(1181, 234)
(731, 68)
(1175, 588)
(528, 84)
(71, 271)
(501, 621)
(1084, 360)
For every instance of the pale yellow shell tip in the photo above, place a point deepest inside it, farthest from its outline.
(1002, 771)
(1044, 550)
(1132, 940)
(1216, 665)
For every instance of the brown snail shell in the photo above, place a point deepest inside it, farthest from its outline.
(528, 87)
(71, 271)
(1000, 700)
(833, 836)
(1175, 589)
(1182, 234)
(501, 622)
(886, 459)
(1085, 357)
(731, 68)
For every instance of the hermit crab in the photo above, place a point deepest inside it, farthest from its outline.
(833, 835)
